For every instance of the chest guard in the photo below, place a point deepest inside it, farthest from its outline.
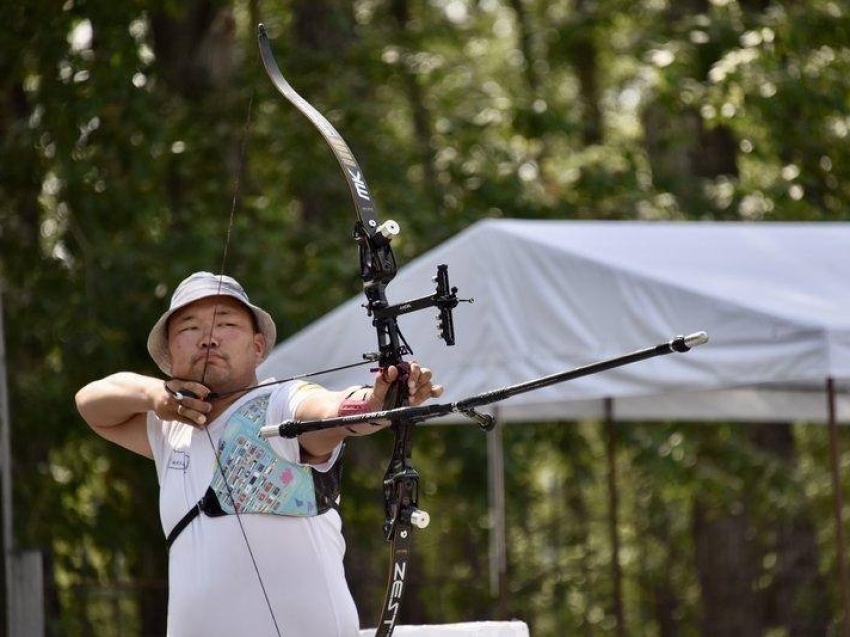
(252, 478)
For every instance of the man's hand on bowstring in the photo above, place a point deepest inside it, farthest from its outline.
(419, 385)
(183, 400)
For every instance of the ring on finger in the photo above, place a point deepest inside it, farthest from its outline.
(180, 410)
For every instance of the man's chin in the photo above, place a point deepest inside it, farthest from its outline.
(209, 374)
(216, 379)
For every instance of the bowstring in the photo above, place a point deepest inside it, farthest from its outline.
(369, 361)
(236, 187)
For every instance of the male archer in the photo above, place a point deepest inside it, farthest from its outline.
(230, 500)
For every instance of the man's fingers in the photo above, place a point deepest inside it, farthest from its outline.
(186, 402)
(180, 389)
(419, 378)
(425, 392)
(197, 417)
(195, 410)
(419, 385)
(383, 379)
(192, 391)
(191, 416)
(197, 404)
(389, 374)
(201, 391)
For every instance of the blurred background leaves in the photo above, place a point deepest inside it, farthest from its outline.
(121, 124)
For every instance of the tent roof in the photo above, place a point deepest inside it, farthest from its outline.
(552, 295)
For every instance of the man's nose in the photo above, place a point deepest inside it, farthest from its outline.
(209, 340)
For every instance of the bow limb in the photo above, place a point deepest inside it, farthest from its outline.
(377, 269)
(360, 193)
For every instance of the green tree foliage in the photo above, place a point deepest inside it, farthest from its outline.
(130, 131)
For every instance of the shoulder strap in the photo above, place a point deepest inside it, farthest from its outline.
(208, 504)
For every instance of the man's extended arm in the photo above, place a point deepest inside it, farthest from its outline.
(116, 408)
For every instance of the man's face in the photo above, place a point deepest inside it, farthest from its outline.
(224, 355)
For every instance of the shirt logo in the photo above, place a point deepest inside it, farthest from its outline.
(179, 460)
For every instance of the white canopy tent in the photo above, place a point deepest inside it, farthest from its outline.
(555, 295)
(552, 295)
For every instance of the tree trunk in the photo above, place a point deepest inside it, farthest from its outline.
(421, 116)
(321, 34)
(613, 523)
(798, 599)
(682, 150)
(585, 60)
(194, 47)
(658, 581)
(727, 565)
(581, 539)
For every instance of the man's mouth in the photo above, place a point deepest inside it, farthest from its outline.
(207, 358)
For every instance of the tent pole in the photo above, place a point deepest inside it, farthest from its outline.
(613, 498)
(839, 507)
(8, 538)
(498, 541)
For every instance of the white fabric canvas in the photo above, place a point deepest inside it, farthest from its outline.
(554, 295)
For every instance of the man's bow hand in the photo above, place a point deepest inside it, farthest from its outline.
(419, 385)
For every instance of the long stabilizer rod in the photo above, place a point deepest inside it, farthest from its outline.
(293, 428)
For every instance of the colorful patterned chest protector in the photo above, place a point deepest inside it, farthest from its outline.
(251, 478)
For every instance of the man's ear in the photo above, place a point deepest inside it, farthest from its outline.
(260, 345)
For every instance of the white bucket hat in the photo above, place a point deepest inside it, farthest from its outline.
(201, 285)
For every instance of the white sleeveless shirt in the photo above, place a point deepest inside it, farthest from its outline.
(213, 588)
